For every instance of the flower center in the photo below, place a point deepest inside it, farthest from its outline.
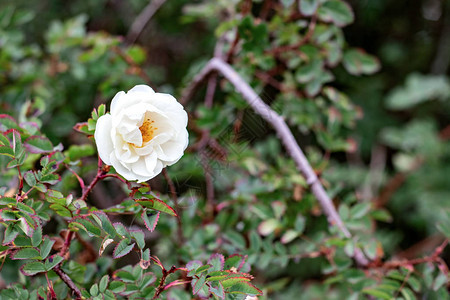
(147, 130)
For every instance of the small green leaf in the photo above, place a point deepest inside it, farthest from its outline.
(94, 290)
(289, 236)
(407, 294)
(103, 220)
(268, 226)
(217, 289)
(358, 62)
(32, 268)
(61, 210)
(139, 236)
(359, 210)
(46, 247)
(103, 283)
(36, 238)
(197, 284)
(377, 293)
(10, 234)
(38, 144)
(217, 262)
(244, 287)
(25, 208)
(116, 286)
(52, 261)
(26, 253)
(122, 248)
(158, 205)
(150, 219)
(88, 226)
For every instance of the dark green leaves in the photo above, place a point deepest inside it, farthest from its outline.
(158, 205)
(32, 268)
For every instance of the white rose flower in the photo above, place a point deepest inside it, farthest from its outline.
(144, 132)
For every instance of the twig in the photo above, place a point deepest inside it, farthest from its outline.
(285, 134)
(67, 280)
(143, 19)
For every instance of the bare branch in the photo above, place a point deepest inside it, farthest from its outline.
(284, 133)
(67, 280)
(143, 19)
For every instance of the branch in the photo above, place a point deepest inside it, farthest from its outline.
(143, 19)
(285, 134)
(68, 281)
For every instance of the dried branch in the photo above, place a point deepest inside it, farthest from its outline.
(143, 19)
(285, 134)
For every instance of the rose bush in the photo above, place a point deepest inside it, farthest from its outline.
(143, 133)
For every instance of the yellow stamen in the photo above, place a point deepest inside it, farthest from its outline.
(147, 130)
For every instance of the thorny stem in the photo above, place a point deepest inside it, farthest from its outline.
(75, 290)
(285, 134)
(173, 192)
(165, 274)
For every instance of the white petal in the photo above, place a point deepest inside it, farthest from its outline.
(116, 102)
(141, 88)
(103, 139)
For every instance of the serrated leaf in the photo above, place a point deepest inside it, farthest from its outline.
(121, 230)
(122, 248)
(94, 290)
(30, 178)
(25, 208)
(231, 281)
(217, 289)
(289, 236)
(10, 234)
(197, 284)
(52, 261)
(7, 122)
(234, 261)
(32, 268)
(38, 144)
(147, 279)
(88, 226)
(192, 266)
(202, 269)
(158, 205)
(124, 276)
(61, 210)
(217, 262)
(26, 253)
(244, 287)
(26, 227)
(7, 151)
(46, 247)
(103, 220)
(150, 219)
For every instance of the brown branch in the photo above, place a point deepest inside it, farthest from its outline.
(67, 280)
(142, 20)
(284, 133)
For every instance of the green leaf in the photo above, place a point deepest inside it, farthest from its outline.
(197, 284)
(94, 290)
(75, 152)
(122, 248)
(337, 12)
(52, 261)
(407, 294)
(158, 205)
(268, 226)
(38, 144)
(217, 289)
(116, 286)
(103, 283)
(46, 247)
(7, 122)
(30, 178)
(32, 268)
(231, 281)
(139, 236)
(309, 71)
(150, 219)
(10, 234)
(358, 62)
(121, 230)
(244, 287)
(61, 210)
(289, 236)
(377, 293)
(359, 210)
(6, 150)
(103, 220)
(26, 253)
(25, 208)
(86, 225)
(308, 7)
(217, 262)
